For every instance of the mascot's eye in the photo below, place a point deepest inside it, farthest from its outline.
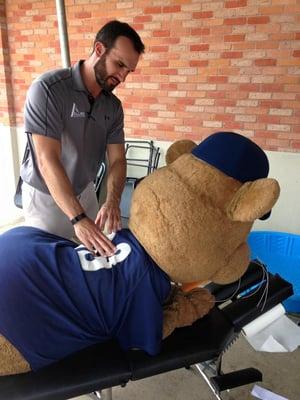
(117, 252)
(89, 257)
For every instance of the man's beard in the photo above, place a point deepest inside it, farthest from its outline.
(101, 75)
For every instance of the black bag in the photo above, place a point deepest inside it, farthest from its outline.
(18, 194)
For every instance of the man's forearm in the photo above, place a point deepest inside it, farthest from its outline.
(116, 180)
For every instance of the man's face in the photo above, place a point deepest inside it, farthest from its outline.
(114, 65)
(105, 81)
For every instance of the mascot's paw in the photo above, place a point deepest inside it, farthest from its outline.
(11, 361)
(186, 308)
(202, 301)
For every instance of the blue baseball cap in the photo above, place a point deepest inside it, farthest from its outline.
(235, 155)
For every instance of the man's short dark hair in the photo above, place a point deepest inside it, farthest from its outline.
(109, 33)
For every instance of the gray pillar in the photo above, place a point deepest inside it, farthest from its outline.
(63, 33)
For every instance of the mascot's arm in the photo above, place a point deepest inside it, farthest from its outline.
(11, 361)
(186, 308)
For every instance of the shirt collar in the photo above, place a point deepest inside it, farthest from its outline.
(77, 79)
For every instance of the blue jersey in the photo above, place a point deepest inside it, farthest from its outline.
(57, 298)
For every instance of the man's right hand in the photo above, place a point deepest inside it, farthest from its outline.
(91, 236)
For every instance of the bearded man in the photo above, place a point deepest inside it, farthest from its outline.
(72, 119)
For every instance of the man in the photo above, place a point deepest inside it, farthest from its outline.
(72, 119)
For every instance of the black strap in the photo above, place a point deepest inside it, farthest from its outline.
(18, 194)
(77, 218)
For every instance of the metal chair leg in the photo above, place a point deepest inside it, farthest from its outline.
(201, 369)
(105, 394)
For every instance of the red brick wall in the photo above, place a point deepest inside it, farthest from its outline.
(209, 65)
(6, 93)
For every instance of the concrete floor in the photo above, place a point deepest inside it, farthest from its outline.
(281, 372)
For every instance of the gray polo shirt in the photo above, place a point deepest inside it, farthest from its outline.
(58, 105)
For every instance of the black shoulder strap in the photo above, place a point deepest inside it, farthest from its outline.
(18, 194)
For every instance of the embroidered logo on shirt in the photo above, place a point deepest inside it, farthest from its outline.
(76, 113)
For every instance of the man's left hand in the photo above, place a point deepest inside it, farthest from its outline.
(109, 217)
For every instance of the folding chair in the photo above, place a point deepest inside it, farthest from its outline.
(135, 149)
(144, 157)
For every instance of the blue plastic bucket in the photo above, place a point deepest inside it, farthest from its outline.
(280, 252)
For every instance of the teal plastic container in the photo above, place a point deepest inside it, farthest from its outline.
(280, 252)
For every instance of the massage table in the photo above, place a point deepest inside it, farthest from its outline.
(200, 347)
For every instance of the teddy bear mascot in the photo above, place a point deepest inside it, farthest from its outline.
(189, 222)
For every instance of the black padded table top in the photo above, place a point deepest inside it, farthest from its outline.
(106, 365)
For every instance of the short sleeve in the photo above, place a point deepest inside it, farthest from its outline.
(116, 130)
(42, 113)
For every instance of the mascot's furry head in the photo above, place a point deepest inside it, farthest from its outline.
(193, 216)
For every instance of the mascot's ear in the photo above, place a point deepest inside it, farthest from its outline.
(178, 148)
(253, 200)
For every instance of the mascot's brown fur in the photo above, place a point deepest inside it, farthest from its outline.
(193, 220)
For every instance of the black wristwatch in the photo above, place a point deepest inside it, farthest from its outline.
(77, 218)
